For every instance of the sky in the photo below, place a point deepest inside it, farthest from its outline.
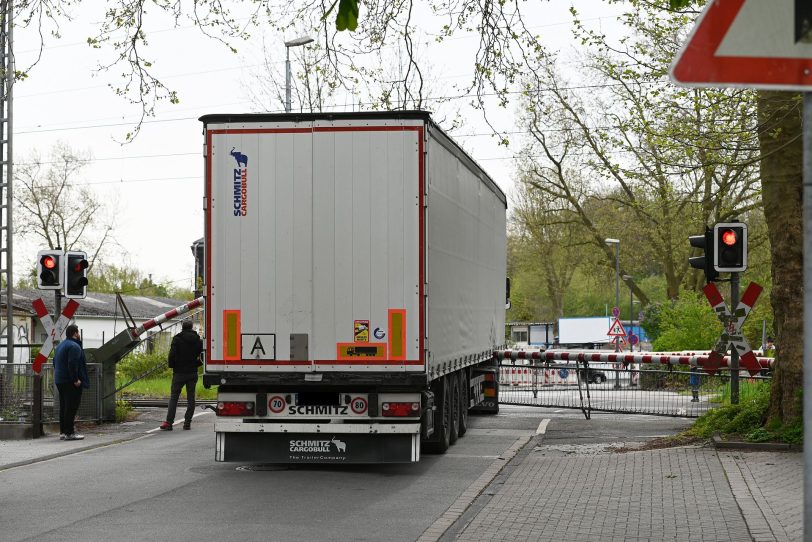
(153, 186)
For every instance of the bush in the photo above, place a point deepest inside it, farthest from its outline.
(688, 324)
(123, 409)
(138, 363)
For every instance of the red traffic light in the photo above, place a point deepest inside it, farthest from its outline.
(729, 237)
(48, 262)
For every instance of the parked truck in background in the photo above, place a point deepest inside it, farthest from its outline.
(355, 286)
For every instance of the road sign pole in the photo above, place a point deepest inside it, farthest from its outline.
(807, 252)
(734, 354)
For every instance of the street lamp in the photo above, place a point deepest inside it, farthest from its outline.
(298, 42)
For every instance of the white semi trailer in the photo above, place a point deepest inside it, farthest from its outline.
(355, 286)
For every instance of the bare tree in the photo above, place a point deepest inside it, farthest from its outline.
(57, 210)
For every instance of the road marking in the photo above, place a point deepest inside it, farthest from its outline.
(456, 510)
(543, 426)
(181, 421)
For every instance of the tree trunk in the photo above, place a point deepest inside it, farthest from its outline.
(782, 186)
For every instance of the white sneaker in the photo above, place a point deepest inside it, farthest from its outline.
(61, 436)
(74, 436)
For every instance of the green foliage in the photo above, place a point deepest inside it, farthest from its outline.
(138, 363)
(160, 388)
(747, 419)
(686, 324)
(127, 280)
(123, 409)
(742, 419)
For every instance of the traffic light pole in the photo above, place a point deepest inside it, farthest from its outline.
(734, 354)
(807, 316)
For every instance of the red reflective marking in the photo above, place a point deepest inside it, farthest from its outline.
(713, 295)
(751, 294)
(39, 307)
(70, 308)
(40, 359)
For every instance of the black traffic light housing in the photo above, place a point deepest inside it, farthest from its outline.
(76, 274)
(704, 262)
(49, 269)
(730, 242)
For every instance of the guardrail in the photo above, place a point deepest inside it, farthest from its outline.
(664, 390)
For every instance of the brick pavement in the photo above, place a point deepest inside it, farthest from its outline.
(668, 494)
(769, 489)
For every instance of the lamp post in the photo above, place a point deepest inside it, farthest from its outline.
(298, 42)
(616, 242)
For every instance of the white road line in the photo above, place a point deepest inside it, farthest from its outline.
(543, 426)
(181, 421)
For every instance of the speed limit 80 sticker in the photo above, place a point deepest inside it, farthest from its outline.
(359, 405)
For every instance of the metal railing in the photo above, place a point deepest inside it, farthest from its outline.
(17, 394)
(656, 390)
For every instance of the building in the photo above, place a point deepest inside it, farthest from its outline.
(99, 317)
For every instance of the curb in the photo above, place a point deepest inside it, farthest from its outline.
(71, 452)
(719, 443)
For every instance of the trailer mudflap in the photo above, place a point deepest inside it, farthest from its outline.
(338, 448)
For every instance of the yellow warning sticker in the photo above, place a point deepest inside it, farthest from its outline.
(361, 331)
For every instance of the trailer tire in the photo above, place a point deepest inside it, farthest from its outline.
(453, 383)
(465, 400)
(442, 420)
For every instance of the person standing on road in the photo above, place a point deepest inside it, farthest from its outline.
(184, 359)
(70, 376)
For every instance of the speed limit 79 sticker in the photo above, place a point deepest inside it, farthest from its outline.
(359, 405)
(276, 404)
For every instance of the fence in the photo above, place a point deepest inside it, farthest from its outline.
(666, 391)
(17, 394)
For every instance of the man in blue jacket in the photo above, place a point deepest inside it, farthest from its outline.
(70, 376)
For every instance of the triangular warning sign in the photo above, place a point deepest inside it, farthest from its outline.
(616, 329)
(751, 43)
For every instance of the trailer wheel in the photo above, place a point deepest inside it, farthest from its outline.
(465, 400)
(454, 384)
(441, 440)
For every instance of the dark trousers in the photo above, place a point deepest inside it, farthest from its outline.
(179, 380)
(69, 398)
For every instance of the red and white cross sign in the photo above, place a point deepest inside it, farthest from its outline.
(54, 331)
(732, 334)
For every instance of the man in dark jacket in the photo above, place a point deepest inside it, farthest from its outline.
(184, 359)
(70, 376)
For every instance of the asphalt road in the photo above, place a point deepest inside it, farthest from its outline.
(166, 486)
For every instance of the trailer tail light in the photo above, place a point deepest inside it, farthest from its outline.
(392, 410)
(235, 408)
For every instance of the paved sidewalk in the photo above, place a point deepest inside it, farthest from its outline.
(15, 453)
(575, 494)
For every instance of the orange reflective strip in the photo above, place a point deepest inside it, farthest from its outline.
(232, 349)
(361, 351)
(489, 392)
(397, 334)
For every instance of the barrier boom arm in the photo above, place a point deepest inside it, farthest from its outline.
(125, 342)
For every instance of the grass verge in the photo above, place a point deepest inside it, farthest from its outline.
(160, 388)
(746, 420)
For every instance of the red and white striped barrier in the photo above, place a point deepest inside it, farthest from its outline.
(177, 311)
(606, 357)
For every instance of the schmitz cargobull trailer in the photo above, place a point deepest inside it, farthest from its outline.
(355, 286)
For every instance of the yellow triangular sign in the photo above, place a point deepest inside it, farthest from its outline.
(616, 329)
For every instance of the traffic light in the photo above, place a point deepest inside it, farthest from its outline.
(49, 270)
(704, 262)
(76, 275)
(730, 240)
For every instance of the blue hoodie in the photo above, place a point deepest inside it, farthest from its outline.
(70, 364)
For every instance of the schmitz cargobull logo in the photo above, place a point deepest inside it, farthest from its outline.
(318, 446)
(240, 183)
